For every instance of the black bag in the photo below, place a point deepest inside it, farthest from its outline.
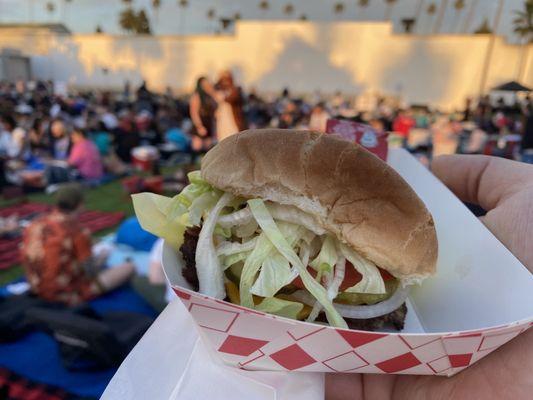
(88, 341)
(13, 322)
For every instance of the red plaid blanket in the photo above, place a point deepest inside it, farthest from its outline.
(9, 247)
(15, 387)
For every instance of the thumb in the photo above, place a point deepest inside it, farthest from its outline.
(482, 180)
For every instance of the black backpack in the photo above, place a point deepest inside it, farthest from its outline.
(87, 340)
(13, 322)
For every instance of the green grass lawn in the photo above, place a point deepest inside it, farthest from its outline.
(108, 197)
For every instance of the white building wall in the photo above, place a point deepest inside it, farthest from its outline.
(305, 56)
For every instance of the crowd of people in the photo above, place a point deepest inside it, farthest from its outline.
(49, 137)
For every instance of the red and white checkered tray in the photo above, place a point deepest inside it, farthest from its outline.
(454, 318)
(252, 340)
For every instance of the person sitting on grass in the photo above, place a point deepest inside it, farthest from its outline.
(84, 156)
(57, 259)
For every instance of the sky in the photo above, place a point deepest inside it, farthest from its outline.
(83, 16)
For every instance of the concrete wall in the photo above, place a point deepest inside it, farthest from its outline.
(305, 56)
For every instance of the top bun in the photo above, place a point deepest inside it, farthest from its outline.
(352, 193)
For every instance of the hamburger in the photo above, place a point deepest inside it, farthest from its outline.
(301, 225)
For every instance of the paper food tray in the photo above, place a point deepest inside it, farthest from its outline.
(480, 298)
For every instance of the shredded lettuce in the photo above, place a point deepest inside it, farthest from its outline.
(372, 282)
(201, 205)
(246, 230)
(304, 252)
(283, 308)
(229, 248)
(251, 268)
(327, 257)
(182, 201)
(168, 217)
(224, 232)
(153, 212)
(208, 268)
(235, 258)
(271, 230)
(275, 273)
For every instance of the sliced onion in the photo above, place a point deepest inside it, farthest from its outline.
(333, 284)
(246, 230)
(340, 268)
(279, 212)
(375, 310)
(228, 248)
(303, 296)
(294, 215)
(240, 217)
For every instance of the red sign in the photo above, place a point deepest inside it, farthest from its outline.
(375, 142)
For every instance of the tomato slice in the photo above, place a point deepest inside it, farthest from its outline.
(351, 277)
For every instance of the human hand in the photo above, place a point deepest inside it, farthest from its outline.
(197, 143)
(505, 190)
(202, 131)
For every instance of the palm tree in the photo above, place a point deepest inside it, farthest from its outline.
(523, 22)
(156, 4)
(458, 6)
(303, 17)
(64, 10)
(183, 4)
(50, 7)
(225, 23)
(98, 29)
(440, 16)
(338, 8)
(143, 24)
(288, 9)
(523, 28)
(490, 47)
(468, 20)
(264, 5)
(211, 14)
(388, 9)
(408, 24)
(127, 20)
(431, 10)
(237, 16)
(484, 28)
(363, 4)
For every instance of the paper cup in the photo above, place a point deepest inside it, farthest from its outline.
(480, 298)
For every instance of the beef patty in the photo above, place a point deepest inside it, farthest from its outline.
(395, 318)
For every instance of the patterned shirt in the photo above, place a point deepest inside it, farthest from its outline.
(54, 250)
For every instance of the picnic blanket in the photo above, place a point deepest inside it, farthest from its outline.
(9, 246)
(36, 355)
(16, 387)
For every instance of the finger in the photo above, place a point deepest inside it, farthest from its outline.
(343, 387)
(480, 179)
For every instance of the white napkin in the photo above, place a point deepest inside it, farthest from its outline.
(172, 362)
